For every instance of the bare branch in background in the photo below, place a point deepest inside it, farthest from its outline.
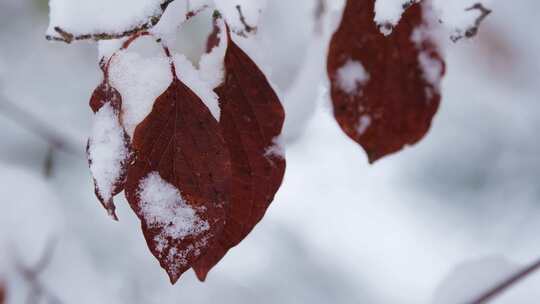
(507, 284)
(31, 274)
(320, 11)
(39, 128)
(67, 37)
(48, 164)
(473, 30)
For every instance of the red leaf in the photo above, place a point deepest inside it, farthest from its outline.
(179, 146)
(384, 89)
(109, 138)
(251, 119)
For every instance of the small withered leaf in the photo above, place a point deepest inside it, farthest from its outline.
(111, 182)
(384, 89)
(251, 119)
(181, 143)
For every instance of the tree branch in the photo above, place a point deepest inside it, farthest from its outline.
(507, 284)
(65, 36)
(472, 30)
(247, 28)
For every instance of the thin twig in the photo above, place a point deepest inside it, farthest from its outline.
(473, 30)
(247, 28)
(507, 284)
(48, 164)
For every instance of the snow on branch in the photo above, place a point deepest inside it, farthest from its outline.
(472, 30)
(247, 28)
(60, 33)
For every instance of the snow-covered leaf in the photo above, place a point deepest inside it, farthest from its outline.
(251, 119)
(179, 181)
(385, 89)
(108, 147)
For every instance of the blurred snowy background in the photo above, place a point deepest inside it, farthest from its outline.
(433, 224)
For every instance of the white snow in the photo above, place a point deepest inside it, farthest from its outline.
(106, 48)
(103, 16)
(251, 11)
(363, 124)
(456, 17)
(139, 89)
(453, 14)
(277, 148)
(174, 16)
(107, 150)
(431, 67)
(211, 69)
(351, 76)
(186, 72)
(140, 80)
(388, 13)
(162, 206)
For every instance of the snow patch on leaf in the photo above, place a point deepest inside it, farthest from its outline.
(277, 148)
(107, 151)
(139, 89)
(163, 206)
(211, 68)
(186, 72)
(363, 124)
(389, 12)
(433, 68)
(351, 76)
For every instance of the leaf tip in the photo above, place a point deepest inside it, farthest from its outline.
(173, 276)
(201, 274)
(112, 214)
